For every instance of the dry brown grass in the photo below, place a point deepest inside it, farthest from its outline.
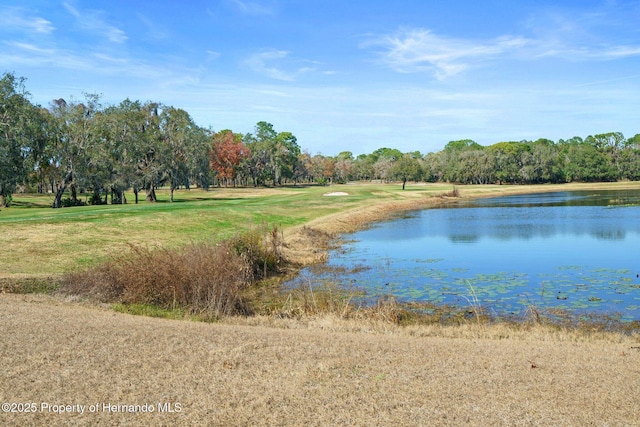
(205, 280)
(323, 371)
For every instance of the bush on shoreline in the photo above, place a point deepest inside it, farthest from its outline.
(204, 279)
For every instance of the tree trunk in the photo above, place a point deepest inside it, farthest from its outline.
(41, 183)
(57, 202)
(74, 193)
(135, 192)
(96, 199)
(3, 201)
(117, 196)
(151, 193)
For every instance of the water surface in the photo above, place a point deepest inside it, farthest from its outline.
(577, 251)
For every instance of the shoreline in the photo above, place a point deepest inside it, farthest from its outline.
(310, 244)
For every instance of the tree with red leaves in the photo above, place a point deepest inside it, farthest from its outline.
(227, 152)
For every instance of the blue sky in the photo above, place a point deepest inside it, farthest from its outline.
(344, 75)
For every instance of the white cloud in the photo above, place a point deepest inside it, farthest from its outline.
(92, 21)
(92, 63)
(623, 51)
(604, 33)
(41, 25)
(420, 50)
(263, 63)
(613, 52)
(416, 50)
(153, 30)
(31, 48)
(14, 18)
(251, 7)
(212, 54)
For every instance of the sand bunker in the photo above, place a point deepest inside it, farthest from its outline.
(336, 193)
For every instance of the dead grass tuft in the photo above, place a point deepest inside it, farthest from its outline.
(309, 301)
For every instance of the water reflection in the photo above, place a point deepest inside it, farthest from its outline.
(520, 217)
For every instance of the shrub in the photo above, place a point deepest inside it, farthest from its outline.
(96, 199)
(260, 249)
(208, 280)
(68, 202)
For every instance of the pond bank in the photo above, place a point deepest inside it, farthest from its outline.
(310, 244)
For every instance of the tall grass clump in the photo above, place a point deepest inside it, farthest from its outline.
(204, 279)
(455, 192)
(260, 249)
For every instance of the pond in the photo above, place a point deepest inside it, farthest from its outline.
(576, 251)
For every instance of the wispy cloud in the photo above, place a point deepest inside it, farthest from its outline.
(93, 21)
(31, 48)
(98, 63)
(251, 7)
(586, 53)
(212, 54)
(15, 18)
(153, 30)
(267, 64)
(414, 50)
(587, 36)
(29, 54)
(421, 50)
(616, 52)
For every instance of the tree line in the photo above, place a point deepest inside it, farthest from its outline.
(83, 147)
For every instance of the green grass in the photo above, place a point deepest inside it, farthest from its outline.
(151, 311)
(41, 241)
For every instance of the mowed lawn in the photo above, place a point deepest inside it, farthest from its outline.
(40, 241)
